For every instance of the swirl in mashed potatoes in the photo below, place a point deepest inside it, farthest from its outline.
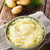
(25, 32)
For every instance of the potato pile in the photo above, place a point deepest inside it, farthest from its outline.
(16, 5)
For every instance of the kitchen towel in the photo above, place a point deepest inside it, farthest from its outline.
(38, 15)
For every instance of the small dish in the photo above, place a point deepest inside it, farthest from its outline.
(19, 48)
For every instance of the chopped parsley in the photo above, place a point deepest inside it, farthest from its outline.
(4, 3)
(34, 3)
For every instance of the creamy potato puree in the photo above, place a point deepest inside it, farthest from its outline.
(25, 33)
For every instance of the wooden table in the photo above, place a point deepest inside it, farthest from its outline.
(6, 15)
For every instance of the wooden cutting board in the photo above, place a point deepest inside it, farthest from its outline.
(6, 15)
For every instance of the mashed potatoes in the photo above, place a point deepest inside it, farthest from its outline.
(25, 32)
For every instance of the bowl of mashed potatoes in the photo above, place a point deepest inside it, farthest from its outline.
(25, 33)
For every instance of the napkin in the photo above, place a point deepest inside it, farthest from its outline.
(39, 16)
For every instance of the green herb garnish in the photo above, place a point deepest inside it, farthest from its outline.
(34, 3)
(4, 3)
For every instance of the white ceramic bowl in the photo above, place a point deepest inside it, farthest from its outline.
(19, 48)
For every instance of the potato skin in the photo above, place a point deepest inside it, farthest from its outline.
(10, 3)
(14, 0)
(23, 2)
(17, 9)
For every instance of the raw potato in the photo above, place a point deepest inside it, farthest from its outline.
(17, 9)
(23, 2)
(14, 0)
(10, 3)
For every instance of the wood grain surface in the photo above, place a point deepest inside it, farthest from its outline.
(1, 3)
(6, 15)
(47, 12)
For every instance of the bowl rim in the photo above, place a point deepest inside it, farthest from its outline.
(20, 17)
